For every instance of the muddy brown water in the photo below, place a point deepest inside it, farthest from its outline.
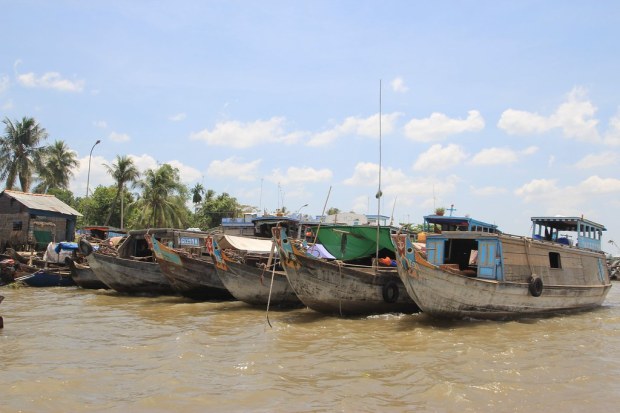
(74, 350)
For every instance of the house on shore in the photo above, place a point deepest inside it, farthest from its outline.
(34, 220)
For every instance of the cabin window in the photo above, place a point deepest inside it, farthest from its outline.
(554, 260)
(17, 225)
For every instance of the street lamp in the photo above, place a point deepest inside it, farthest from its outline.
(89, 158)
(299, 225)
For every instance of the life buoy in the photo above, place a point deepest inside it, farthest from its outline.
(535, 286)
(390, 292)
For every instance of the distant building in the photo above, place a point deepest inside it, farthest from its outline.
(34, 220)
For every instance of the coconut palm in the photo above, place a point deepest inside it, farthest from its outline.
(162, 202)
(55, 168)
(123, 171)
(197, 192)
(20, 151)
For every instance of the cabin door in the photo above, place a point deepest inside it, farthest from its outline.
(490, 259)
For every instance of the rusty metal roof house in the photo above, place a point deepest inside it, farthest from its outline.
(34, 220)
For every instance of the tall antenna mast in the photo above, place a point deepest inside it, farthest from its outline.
(379, 193)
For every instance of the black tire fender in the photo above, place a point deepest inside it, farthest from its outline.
(390, 292)
(535, 286)
(85, 247)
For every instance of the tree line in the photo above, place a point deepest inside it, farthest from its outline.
(149, 199)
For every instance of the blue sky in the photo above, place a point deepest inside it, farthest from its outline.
(506, 110)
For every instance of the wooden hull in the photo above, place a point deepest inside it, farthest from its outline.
(191, 277)
(85, 277)
(129, 276)
(333, 288)
(48, 278)
(252, 285)
(447, 294)
(195, 278)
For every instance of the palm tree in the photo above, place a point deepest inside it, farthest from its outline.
(197, 192)
(55, 167)
(20, 151)
(162, 203)
(123, 171)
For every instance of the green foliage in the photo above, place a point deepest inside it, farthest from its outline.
(333, 211)
(97, 206)
(162, 201)
(20, 152)
(124, 172)
(214, 208)
(55, 168)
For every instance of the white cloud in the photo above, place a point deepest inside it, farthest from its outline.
(4, 83)
(234, 168)
(367, 174)
(540, 190)
(245, 135)
(187, 173)
(101, 124)
(612, 136)
(178, 117)
(438, 158)
(7, 105)
(367, 127)
(495, 156)
(398, 85)
(573, 117)
(594, 160)
(300, 175)
(439, 126)
(597, 185)
(119, 137)
(50, 80)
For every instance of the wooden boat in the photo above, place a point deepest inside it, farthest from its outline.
(334, 287)
(244, 266)
(84, 276)
(192, 276)
(490, 275)
(48, 277)
(132, 269)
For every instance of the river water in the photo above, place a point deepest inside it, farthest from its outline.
(74, 350)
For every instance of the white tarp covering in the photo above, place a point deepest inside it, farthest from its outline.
(256, 245)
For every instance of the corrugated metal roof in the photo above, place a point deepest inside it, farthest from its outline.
(42, 202)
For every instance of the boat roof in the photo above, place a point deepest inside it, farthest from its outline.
(567, 223)
(456, 221)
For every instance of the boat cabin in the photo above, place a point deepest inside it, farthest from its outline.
(588, 233)
(439, 223)
(136, 245)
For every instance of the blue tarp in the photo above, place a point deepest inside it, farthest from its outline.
(65, 246)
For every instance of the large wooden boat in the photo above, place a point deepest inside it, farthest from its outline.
(189, 272)
(335, 287)
(131, 269)
(479, 273)
(248, 270)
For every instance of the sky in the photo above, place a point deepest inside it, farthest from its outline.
(501, 110)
